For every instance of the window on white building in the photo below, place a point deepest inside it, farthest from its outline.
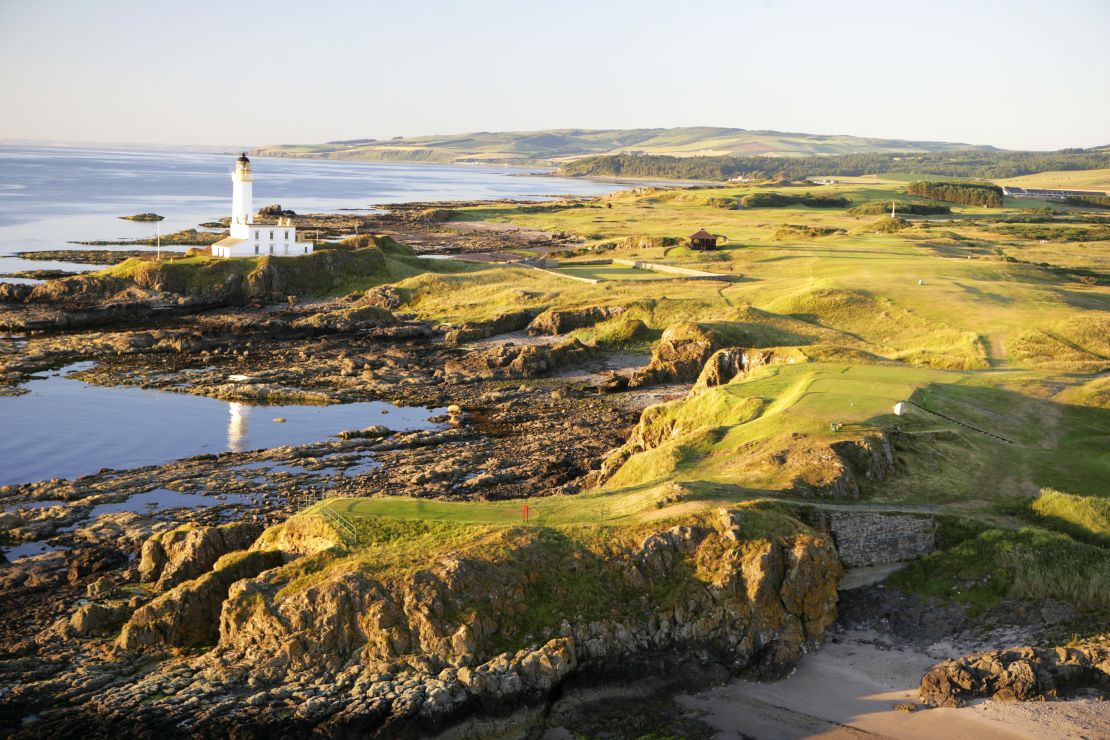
(271, 235)
(287, 236)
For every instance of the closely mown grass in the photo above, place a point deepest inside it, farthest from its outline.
(1029, 563)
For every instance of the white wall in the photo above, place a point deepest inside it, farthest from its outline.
(242, 200)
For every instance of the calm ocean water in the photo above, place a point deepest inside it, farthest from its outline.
(65, 428)
(50, 196)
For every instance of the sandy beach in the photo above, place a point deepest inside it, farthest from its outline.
(849, 689)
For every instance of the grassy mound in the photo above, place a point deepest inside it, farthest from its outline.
(896, 332)
(1095, 393)
(357, 263)
(885, 225)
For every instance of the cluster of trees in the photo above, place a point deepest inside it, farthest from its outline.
(877, 207)
(966, 193)
(784, 200)
(972, 164)
(1097, 201)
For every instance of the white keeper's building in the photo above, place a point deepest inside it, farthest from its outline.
(250, 238)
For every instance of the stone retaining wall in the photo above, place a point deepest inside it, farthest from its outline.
(873, 539)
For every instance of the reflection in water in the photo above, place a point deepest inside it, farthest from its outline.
(237, 426)
(57, 428)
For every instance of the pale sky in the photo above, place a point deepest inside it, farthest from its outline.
(1016, 74)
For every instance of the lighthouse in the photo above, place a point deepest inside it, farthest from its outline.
(251, 236)
(242, 186)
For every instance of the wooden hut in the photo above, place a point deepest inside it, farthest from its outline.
(702, 239)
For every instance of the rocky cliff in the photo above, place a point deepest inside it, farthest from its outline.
(476, 631)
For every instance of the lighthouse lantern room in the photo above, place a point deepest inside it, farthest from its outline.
(251, 237)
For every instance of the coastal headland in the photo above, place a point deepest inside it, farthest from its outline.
(862, 431)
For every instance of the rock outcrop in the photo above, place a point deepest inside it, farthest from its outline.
(472, 331)
(726, 364)
(345, 320)
(1020, 673)
(478, 632)
(188, 614)
(182, 554)
(518, 361)
(388, 297)
(560, 321)
(680, 354)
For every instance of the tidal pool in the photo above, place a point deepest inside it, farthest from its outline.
(147, 502)
(65, 428)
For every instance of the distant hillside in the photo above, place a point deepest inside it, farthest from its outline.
(986, 164)
(558, 146)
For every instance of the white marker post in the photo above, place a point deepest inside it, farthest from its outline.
(158, 239)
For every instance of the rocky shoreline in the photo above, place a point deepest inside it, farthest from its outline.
(181, 620)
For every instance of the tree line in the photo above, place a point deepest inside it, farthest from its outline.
(1097, 201)
(965, 193)
(971, 164)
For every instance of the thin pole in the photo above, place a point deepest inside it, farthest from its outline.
(158, 227)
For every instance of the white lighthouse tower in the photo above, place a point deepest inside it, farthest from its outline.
(242, 187)
(251, 237)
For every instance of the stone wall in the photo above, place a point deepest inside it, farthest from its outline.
(873, 539)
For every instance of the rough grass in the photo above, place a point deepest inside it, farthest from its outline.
(1030, 563)
(1079, 345)
(897, 332)
(1085, 518)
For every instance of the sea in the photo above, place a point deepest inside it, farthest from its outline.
(51, 197)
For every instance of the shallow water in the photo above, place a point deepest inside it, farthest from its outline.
(147, 502)
(52, 195)
(29, 549)
(159, 499)
(65, 428)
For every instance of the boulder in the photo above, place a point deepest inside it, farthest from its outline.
(383, 296)
(96, 619)
(375, 431)
(89, 560)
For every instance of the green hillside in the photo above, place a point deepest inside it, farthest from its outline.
(549, 148)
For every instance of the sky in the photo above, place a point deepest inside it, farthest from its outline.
(1015, 74)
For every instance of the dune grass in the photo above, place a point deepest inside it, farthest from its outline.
(1085, 518)
(1029, 563)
